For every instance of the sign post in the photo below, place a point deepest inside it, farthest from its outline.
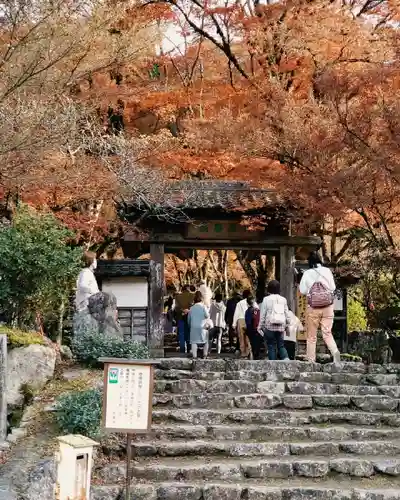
(127, 401)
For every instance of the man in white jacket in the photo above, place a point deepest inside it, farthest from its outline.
(240, 324)
(319, 317)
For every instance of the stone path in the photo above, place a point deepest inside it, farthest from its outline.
(14, 473)
(238, 430)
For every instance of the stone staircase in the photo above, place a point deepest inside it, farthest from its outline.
(266, 430)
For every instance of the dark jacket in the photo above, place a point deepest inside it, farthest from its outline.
(252, 319)
(230, 310)
(183, 301)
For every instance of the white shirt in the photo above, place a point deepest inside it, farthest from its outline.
(86, 286)
(293, 328)
(267, 308)
(217, 314)
(240, 311)
(319, 275)
(206, 294)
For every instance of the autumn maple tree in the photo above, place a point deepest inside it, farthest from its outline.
(280, 94)
(307, 98)
(56, 148)
(286, 94)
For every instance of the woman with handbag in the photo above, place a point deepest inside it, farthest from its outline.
(318, 284)
(199, 325)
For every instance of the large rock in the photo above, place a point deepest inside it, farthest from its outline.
(100, 316)
(33, 365)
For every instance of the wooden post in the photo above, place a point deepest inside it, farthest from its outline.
(3, 387)
(156, 301)
(286, 275)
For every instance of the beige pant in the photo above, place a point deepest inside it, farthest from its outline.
(319, 317)
(244, 342)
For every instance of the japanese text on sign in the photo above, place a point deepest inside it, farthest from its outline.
(128, 393)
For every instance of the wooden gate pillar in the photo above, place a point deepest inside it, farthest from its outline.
(156, 301)
(286, 275)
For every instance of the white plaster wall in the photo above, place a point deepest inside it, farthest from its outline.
(129, 291)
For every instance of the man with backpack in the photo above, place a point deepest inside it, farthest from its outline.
(318, 284)
(274, 318)
(252, 319)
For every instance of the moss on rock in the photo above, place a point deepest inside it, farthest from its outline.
(21, 338)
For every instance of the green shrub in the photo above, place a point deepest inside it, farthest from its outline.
(20, 338)
(88, 348)
(356, 316)
(80, 413)
(371, 346)
(38, 268)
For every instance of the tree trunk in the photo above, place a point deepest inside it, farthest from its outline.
(225, 267)
(60, 325)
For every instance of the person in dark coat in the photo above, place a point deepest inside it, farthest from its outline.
(229, 314)
(252, 319)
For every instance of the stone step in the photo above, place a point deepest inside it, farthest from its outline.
(184, 469)
(261, 401)
(269, 432)
(186, 374)
(263, 449)
(314, 388)
(229, 365)
(373, 380)
(237, 365)
(254, 490)
(214, 382)
(274, 417)
(200, 386)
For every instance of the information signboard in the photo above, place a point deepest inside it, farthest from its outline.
(128, 394)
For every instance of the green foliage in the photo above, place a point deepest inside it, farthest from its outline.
(356, 316)
(379, 286)
(371, 346)
(37, 267)
(20, 338)
(89, 347)
(80, 413)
